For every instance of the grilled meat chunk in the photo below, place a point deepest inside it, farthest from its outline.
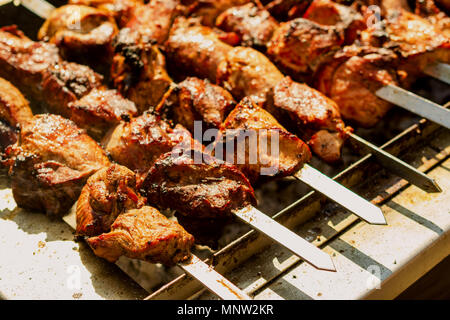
(144, 234)
(352, 78)
(330, 13)
(208, 10)
(287, 9)
(299, 46)
(51, 162)
(121, 10)
(139, 70)
(14, 110)
(309, 113)
(83, 34)
(100, 110)
(194, 49)
(253, 25)
(197, 185)
(198, 100)
(258, 145)
(107, 194)
(247, 72)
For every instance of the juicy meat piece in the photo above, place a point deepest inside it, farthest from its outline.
(312, 115)
(83, 34)
(199, 100)
(144, 234)
(247, 72)
(153, 20)
(51, 162)
(100, 110)
(330, 13)
(209, 10)
(14, 110)
(352, 79)
(270, 149)
(416, 41)
(107, 194)
(197, 185)
(37, 70)
(139, 70)
(253, 25)
(138, 143)
(195, 49)
(287, 9)
(299, 46)
(121, 10)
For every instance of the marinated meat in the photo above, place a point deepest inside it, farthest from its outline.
(208, 10)
(197, 185)
(51, 162)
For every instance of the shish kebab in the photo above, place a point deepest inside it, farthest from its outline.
(310, 46)
(53, 163)
(39, 71)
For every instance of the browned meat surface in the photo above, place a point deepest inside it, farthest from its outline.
(198, 100)
(209, 10)
(299, 46)
(100, 110)
(416, 41)
(253, 25)
(107, 194)
(139, 70)
(144, 234)
(14, 110)
(36, 69)
(270, 150)
(197, 185)
(352, 79)
(51, 162)
(194, 49)
(83, 34)
(287, 9)
(330, 13)
(247, 72)
(311, 114)
(153, 20)
(121, 10)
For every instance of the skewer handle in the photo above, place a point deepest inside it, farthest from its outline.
(299, 246)
(340, 194)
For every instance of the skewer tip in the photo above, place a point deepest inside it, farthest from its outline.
(376, 217)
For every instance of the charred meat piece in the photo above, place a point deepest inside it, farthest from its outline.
(311, 114)
(83, 34)
(194, 49)
(107, 194)
(144, 234)
(209, 10)
(258, 145)
(198, 100)
(287, 9)
(100, 110)
(121, 10)
(352, 78)
(197, 185)
(247, 72)
(299, 46)
(253, 25)
(51, 162)
(139, 70)
(14, 110)
(414, 39)
(330, 13)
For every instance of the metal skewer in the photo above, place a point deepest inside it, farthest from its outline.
(198, 269)
(399, 167)
(439, 71)
(416, 104)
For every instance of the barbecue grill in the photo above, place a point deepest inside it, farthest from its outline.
(371, 261)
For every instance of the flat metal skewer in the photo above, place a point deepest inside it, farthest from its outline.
(340, 194)
(415, 104)
(40, 8)
(399, 167)
(198, 269)
(439, 71)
